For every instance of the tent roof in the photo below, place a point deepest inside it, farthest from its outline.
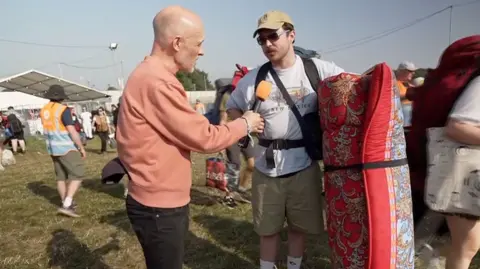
(37, 83)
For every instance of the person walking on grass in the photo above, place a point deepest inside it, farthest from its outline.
(102, 124)
(64, 146)
(15, 125)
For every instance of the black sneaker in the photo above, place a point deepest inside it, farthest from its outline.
(229, 202)
(68, 211)
(74, 205)
(240, 197)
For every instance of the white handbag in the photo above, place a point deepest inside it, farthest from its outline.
(453, 178)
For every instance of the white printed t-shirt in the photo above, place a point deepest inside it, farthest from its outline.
(280, 122)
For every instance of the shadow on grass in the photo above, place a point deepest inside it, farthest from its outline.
(117, 191)
(67, 252)
(200, 253)
(203, 199)
(239, 235)
(114, 190)
(235, 234)
(118, 219)
(97, 151)
(39, 188)
(94, 151)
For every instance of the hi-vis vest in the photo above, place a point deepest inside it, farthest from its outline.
(57, 137)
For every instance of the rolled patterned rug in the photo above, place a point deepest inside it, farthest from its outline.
(367, 184)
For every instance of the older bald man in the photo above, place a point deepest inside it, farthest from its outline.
(158, 129)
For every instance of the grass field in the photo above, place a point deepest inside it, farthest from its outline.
(32, 235)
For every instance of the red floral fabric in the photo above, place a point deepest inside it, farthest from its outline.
(368, 211)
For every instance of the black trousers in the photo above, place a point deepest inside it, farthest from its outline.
(161, 233)
(103, 138)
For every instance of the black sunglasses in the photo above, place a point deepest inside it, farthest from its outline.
(262, 40)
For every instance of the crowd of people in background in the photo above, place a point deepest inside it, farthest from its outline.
(13, 127)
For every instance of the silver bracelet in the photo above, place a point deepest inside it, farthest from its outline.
(249, 129)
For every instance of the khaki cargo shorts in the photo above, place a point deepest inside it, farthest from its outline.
(297, 198)
(69, 166)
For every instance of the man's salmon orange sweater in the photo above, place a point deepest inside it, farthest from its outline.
(157, 131)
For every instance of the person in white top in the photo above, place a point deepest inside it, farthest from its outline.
(86, 119)
(464, 126)
(288, 184)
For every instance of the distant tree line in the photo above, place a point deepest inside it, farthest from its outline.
(196, 81)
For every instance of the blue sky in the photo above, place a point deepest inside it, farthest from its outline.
(320, 25)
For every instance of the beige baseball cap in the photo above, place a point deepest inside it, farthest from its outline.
(273, 20)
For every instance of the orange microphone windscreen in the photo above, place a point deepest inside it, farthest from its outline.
(263, 90)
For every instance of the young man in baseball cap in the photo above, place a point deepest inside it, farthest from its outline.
(287, 183)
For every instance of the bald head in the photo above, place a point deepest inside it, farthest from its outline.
(175, 21)
(179, 37)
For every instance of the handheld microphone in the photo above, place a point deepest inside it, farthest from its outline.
(262, 92)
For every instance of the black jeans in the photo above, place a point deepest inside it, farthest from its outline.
(161, 233)
(104, 138)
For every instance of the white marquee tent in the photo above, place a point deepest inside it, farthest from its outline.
(20, 100)
(37, 83)
(25, 93)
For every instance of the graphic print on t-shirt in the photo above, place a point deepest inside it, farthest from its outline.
(297, 94)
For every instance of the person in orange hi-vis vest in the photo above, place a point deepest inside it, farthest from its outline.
(64, 146)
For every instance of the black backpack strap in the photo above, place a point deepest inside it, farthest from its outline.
(293, 108)
(261, 75)
(312, 72)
